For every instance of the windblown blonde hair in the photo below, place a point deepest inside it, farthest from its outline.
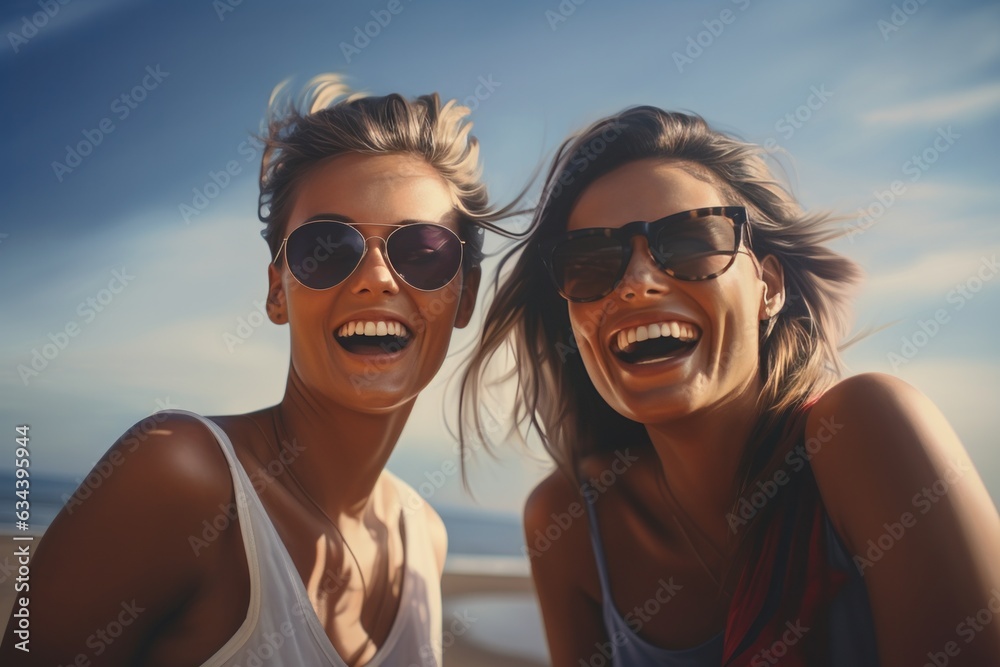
(327, 119)
(799, 348)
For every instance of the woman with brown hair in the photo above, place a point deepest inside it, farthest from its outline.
(277, 537)
(721, 498)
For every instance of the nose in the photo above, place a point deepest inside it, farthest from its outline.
(373, 275)
(643, 277)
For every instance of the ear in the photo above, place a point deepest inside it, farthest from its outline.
(276, 309)
(467, 300)
(773, 278)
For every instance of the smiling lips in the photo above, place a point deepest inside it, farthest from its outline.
(650, 343)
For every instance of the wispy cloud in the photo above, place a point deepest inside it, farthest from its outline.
(36, 23)
(947, 193)
(940, 109)
(931, 274)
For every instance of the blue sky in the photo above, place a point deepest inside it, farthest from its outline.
(886, 112)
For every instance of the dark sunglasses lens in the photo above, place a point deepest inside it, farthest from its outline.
(694, 249)
(588, 267)
(322, 254)
(425, 256)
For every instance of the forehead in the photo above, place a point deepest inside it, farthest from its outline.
(641, 190)
(384, 189)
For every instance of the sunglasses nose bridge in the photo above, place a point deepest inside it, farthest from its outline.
(377, 277)
(636, 236)
(640, 254)
(642, 274)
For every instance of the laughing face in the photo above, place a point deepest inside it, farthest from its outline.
(658, 348)
(371, 342)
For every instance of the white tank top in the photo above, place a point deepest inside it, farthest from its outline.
(281, 628)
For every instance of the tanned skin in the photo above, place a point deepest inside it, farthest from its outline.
(890, 446)
(127, 549)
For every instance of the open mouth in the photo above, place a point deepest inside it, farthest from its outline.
(653, 343)
(373, 337)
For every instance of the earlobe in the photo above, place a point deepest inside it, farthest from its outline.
(467, 299)
(773, 298)
(275, 296)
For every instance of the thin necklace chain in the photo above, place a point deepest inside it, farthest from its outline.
(664, 486)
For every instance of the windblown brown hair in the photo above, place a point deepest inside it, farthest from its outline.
(798, 348)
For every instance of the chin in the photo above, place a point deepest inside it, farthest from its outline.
(374, 397)
(654, 409)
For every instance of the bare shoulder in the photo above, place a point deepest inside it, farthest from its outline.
(556, 531)
(558, 505)
(174, 469)
(152, 487)
(873, 416)
(876, 440)
(905, 498)
(124, 537)
(557, 536)
(879, 420)
(868, 396)
(181, 453)
(554, 494)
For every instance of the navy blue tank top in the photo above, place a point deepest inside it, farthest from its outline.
(852, 636)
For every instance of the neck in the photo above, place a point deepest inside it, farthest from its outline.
(339, 453)
(700, 455)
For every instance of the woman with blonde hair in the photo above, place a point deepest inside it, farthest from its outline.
(277, 537)
(721, 497)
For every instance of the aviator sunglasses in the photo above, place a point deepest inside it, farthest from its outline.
(324, 253)
(586, 264)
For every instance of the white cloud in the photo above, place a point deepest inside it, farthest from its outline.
(947, 193)
(940, 109)
(934, 273)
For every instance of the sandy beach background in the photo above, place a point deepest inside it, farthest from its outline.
(501, 626)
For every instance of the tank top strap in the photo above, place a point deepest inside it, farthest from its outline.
(598, 547)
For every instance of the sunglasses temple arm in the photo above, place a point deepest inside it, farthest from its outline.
(281, 249)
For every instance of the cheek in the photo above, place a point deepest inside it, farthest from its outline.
(740, 346)
(304, 306)
(580, 324)
(588, 319)
(739, 353)
(586, 322)
(437, 309)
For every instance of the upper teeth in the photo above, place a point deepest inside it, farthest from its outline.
(679, 330)
(372, 328)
